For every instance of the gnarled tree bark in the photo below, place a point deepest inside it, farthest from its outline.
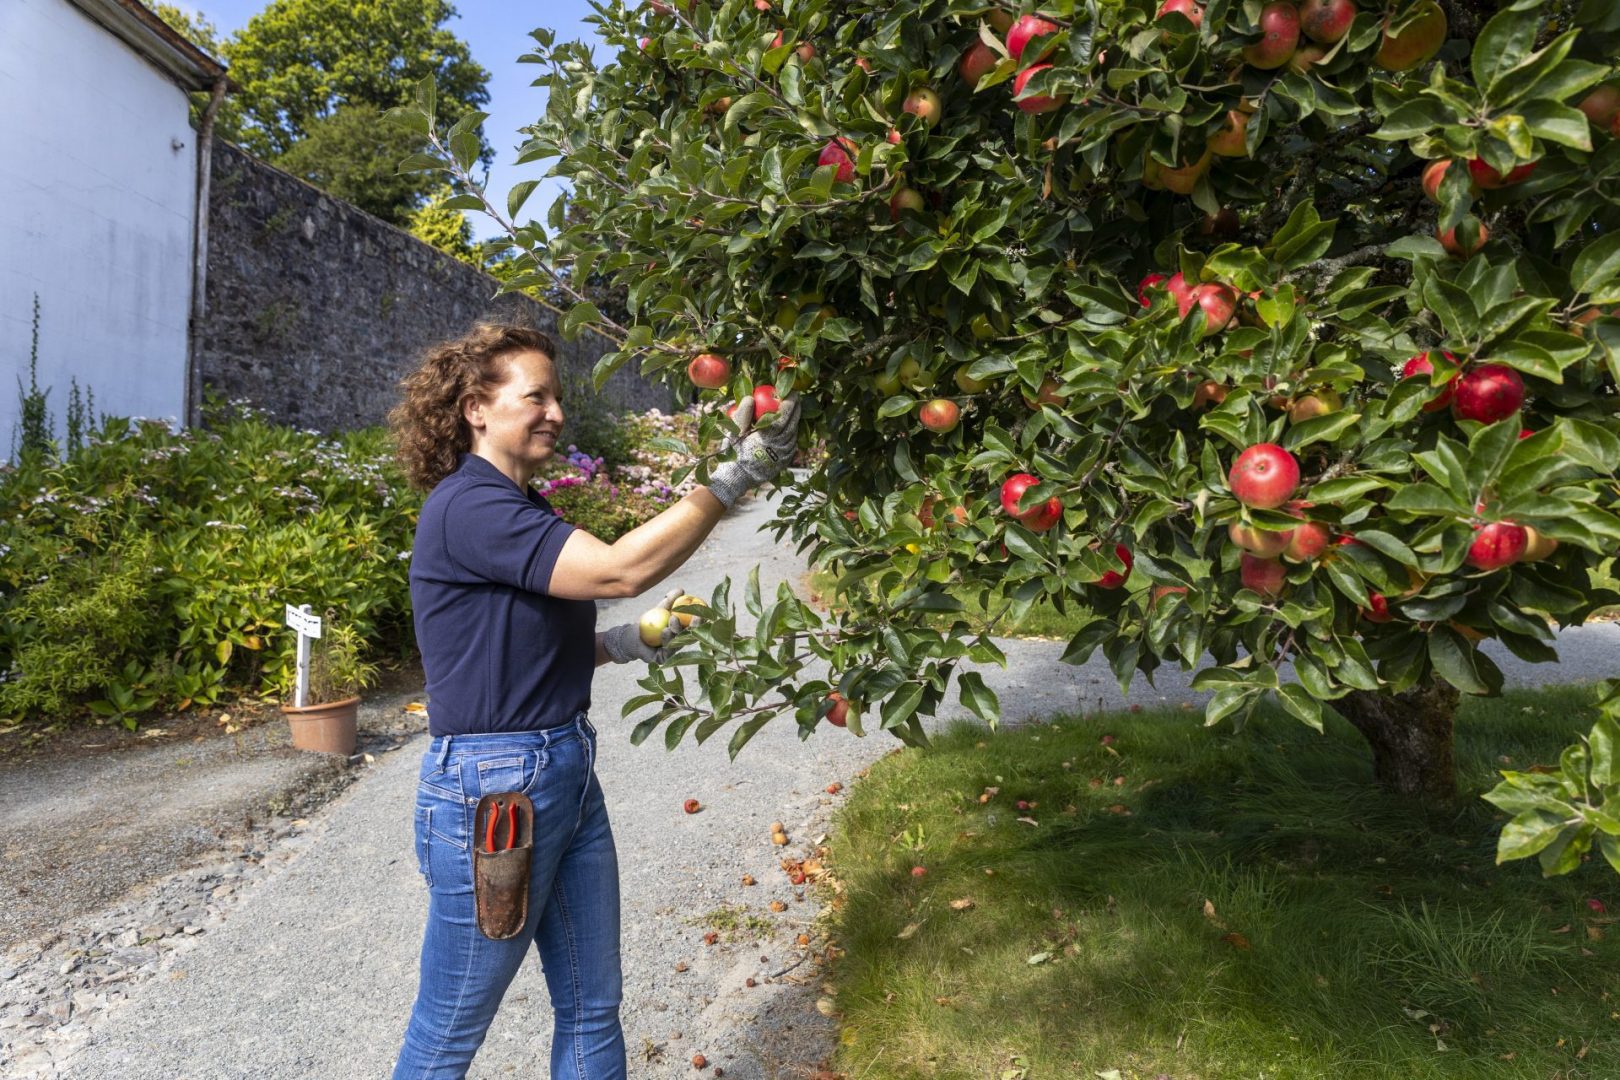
(1410, 734)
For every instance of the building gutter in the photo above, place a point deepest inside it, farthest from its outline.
(199, 255)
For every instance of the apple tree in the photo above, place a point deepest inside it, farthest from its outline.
(1275, 339)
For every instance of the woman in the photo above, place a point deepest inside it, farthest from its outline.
(503, 593)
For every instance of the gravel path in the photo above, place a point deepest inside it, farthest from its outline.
(307, 967)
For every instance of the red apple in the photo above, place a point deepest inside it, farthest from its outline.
(1039, 103)
(864, 64)
(1433, 175)
(1419, 40)
(1218, 303)
(1038, 518)
(806, 50)
(1499, 544)
(765, 400)
(1320, 403)
(1262, 542)
(1046, 395)
(1148, 282)
(1420, 365)
(1025, 30)
(708, 371)
(1177, 286)
(841, 153)
(1377, 609)
(1208, 392)
(939, 414)
(1487, 178)
(923, 104)
(1488, 393)
(1326, 21)
(1308, 542)
(977, 61)
(838, 715)
(1113, 579)
(1467, 243)
(1279, 27)
(1230, 141)
(1264, 476)
(1190, 8)
(1602, 106)
(1265, 576)
(903, 200)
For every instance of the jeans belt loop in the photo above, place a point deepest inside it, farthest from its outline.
(444, 752)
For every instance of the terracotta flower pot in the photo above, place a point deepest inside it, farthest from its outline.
(328, 728)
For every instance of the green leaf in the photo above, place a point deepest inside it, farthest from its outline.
(1557, 123)
(580, 316)
(1597, 264)
(1298, 701)
(979, 697)
(518, 196)
(1527, 834)
(1505, 42)
(1320, 428)
(1454, 659)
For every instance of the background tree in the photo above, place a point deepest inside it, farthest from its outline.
(1277, 338)
(350, 154)
(446, 229)
(311, 78)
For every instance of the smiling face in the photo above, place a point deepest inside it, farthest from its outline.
(517, 428)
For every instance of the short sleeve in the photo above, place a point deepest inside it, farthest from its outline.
(496, 534)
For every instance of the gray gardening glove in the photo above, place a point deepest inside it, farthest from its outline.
(760, 454)
(624, 643)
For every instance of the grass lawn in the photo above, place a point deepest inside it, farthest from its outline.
(1206, 905)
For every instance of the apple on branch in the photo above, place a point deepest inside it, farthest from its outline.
(1488, 393)
(1417, 40)
(1264, 476)
(1038, 518)
(1036, 103)
(709, 371)
(1279, 36)
(1025, 30)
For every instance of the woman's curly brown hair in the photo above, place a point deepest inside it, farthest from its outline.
(430, 433)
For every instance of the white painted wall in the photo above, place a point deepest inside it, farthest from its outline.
(97, 180)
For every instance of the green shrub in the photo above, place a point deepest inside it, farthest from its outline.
(77, 627)
(149, 569)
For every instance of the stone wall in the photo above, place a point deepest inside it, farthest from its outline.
(315, 309)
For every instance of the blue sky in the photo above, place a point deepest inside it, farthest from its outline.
(497, 32)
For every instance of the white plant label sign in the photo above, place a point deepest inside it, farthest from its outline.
(308, 627)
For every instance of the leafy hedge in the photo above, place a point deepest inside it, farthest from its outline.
(147, 570)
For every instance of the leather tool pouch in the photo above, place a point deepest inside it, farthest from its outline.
(501, 876)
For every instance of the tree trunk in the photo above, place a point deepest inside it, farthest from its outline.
(1410, 735)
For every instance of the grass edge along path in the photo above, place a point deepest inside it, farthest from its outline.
(1171, 902)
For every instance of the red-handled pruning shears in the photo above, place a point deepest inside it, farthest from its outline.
(494, 819)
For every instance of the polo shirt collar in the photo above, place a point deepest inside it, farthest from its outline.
(471, 463)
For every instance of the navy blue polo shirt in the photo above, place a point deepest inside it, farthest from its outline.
(500, 654)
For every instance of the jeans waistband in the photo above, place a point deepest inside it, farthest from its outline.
(443, 747)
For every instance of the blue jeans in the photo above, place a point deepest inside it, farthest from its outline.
(573, 917)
